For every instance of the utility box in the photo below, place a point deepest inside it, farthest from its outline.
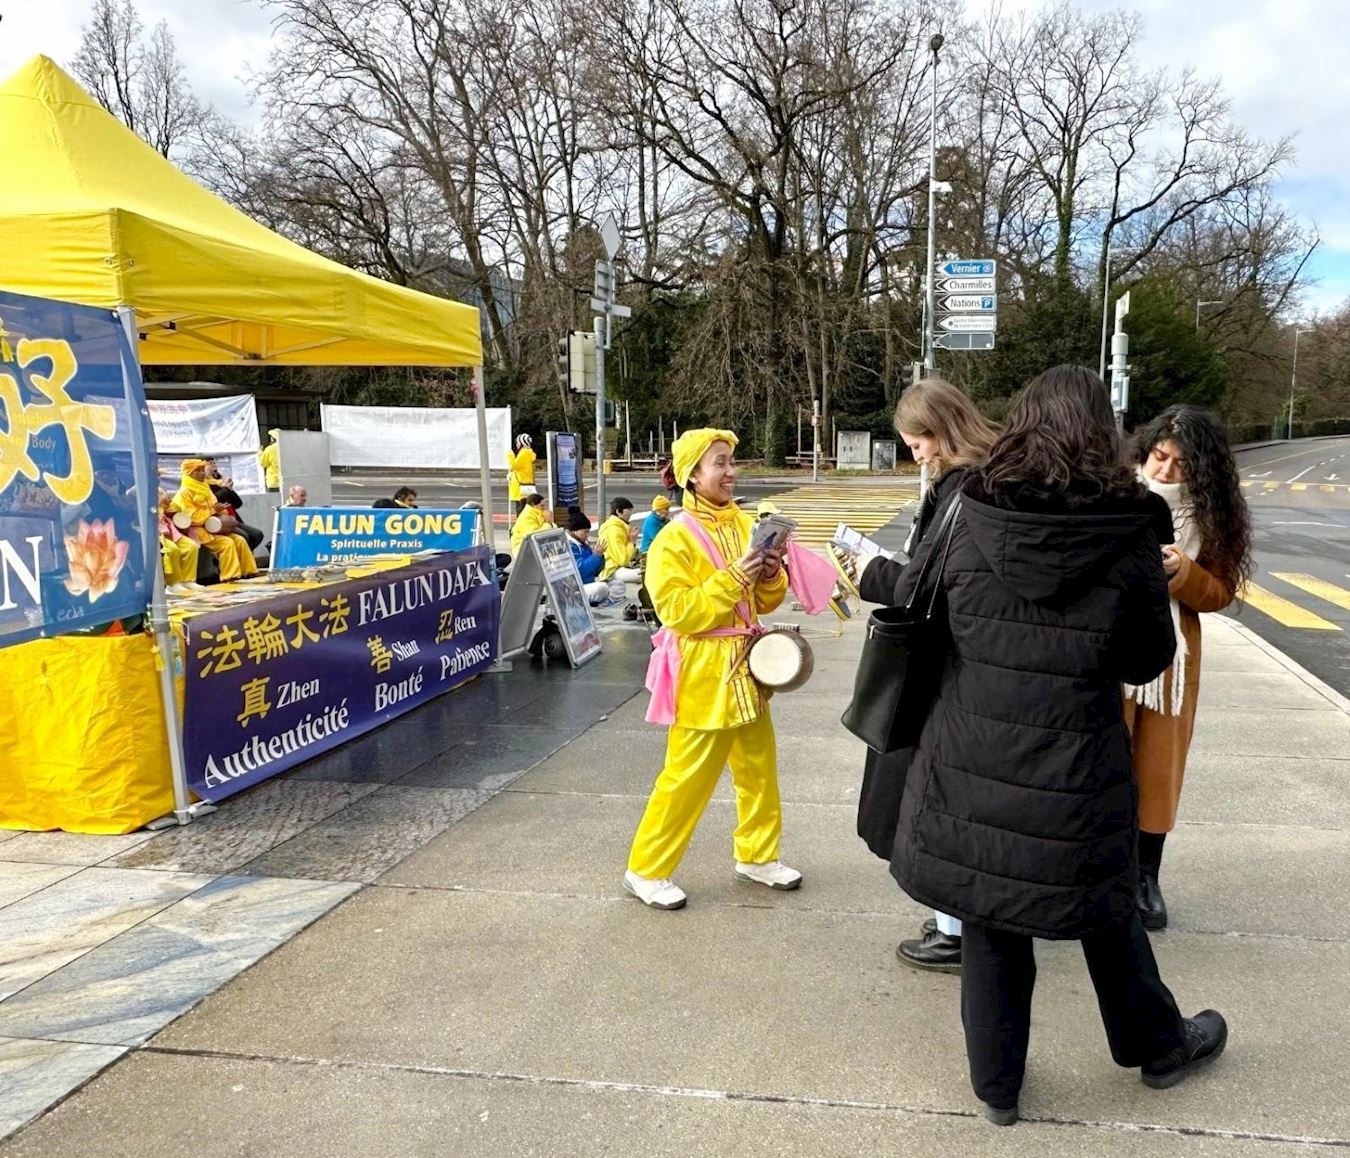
(883, 454)
(853, 450)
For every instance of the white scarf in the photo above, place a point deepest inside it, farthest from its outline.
(1152, 694)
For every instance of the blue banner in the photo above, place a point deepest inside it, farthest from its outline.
(273, 683)
(567, 470)
(313, 536)
(77, 536)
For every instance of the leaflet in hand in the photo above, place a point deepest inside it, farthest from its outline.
(856, 543)
(771, 532)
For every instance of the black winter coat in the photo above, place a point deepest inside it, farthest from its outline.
(1019, 806)
(884, 775)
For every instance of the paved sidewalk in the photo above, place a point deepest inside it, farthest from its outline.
(496, 993)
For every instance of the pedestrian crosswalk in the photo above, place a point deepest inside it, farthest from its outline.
(1285, 611)
(820, 507)
(1322, 487)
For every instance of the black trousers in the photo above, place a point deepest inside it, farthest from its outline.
(998, 974)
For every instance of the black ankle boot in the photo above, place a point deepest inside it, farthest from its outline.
(1152, 907)
(936, 953)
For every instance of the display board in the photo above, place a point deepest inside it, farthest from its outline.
(200, 426)
(77, 540)
(274, 682)
(545, 567)
(313, 536)
(303, 457)
(244, 471)
(414, 436)
(564, 470)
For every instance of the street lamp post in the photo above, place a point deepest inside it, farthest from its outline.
(1111, 254)
(930, 299)
(1199, 305)
(1293, 379)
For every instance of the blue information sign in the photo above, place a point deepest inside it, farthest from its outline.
(313, 536)
(272, 683)
(77, 540)
(967, 268)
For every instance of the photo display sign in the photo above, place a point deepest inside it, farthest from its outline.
(545, 567)
(564, 470)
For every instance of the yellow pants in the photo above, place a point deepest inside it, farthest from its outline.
(694, 763)
(232, 553)
(180, 559)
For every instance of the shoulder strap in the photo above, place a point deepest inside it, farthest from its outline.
(942, 541)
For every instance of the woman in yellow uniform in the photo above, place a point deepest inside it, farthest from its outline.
(708, 589)
(532, 518)
(270, 458)
(520, 472)
(198, 501)
(618, 543)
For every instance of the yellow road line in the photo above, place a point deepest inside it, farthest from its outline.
(1299, 487)
(1246, 482)
(1314, 586)
(1271, 486)
(1283, 611)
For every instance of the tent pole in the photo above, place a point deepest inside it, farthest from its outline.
(183, 811)
(484, 473)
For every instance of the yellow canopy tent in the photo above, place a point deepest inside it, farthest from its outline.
(92, 214)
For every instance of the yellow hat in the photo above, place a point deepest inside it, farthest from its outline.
(660, 503)
(688, 450)
(767, 508)
(191, 464)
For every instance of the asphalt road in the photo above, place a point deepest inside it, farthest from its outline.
(1299, 495)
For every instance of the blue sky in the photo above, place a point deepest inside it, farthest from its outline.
(1282, 62)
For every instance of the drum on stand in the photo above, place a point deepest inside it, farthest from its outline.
(781, 660)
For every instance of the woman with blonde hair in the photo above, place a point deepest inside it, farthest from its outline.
(946, 432)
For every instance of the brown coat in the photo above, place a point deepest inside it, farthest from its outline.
(1161, 742)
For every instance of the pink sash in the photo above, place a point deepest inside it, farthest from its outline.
(663, 670)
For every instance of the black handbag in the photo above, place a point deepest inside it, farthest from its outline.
(901, 657)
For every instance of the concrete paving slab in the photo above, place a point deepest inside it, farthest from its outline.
(1279, 733)
(374, 834)
(74, 848)
(34, 1074)
(773, 1001)
(126, 989)
(1259, 790)
(578, 846)
(249, 825)
(1257, 691)
(271, 1107)
(1242, 657)
(490, 757)
(19, 879)
(375, 758)
(7, 834)
(43, 932)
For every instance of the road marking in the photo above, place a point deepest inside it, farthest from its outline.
(1306, 470)
(820, 507)
(1263, 474)
(1306, 523)
(1283, 611)
(1314, 586)
(1299, 487)
(1270, 486)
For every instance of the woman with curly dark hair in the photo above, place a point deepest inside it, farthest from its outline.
(1183, 456)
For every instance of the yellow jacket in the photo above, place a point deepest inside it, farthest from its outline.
(693, 596)
(196, 500)
(619, 550)
(529, 521)
(521, 466)
(271, 467)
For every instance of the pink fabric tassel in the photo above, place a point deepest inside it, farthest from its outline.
(811, 578)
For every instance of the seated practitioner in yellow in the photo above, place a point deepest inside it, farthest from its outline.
(178, 551)
(708, 588)
(533, 517)
(618, 542)
(198, 501)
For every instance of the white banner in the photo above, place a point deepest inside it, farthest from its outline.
(411, 436)
(197, 426)
(243, 471)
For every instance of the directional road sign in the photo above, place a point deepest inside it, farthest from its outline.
(967, 285)
(969, 303)
(969, 323)
(963, 268)
(964, 341)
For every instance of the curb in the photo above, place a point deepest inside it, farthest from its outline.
(1325, 690)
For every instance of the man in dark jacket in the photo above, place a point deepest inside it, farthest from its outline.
(1018, 812)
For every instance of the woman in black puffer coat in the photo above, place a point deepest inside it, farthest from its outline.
(945, 432)
(1018, 814)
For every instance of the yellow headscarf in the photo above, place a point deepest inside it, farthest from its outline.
(200, 494)
(688, 450)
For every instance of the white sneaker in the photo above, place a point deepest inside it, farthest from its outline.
(775, 874)
(659, 894)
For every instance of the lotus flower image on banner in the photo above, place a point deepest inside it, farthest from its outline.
(75, 541)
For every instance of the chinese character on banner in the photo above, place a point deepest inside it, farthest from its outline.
(265, 638)
(302, 633)
(222, 650)
(381, 658)
(334, 615)
(445, 629)
(76, 547)
(255, 700)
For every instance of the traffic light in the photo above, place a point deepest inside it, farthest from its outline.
(582, 379)
(564, 375)
(611, 414)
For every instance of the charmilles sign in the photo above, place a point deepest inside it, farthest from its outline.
(274, 683)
